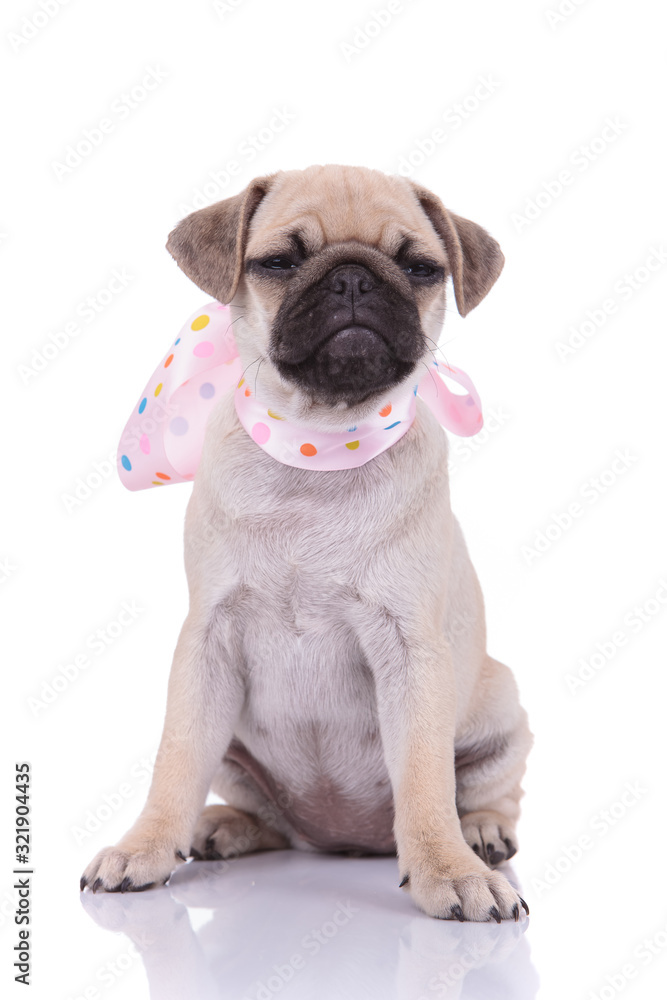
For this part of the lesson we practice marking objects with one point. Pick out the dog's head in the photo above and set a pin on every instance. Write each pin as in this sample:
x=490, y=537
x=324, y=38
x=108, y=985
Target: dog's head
x=336, y=276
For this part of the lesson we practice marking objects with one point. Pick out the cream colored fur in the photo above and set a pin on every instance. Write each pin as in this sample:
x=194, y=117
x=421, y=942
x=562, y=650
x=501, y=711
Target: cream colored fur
x=336, y=624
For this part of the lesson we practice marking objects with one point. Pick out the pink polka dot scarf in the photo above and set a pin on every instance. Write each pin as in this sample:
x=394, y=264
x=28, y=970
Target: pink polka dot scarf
x=162, y=441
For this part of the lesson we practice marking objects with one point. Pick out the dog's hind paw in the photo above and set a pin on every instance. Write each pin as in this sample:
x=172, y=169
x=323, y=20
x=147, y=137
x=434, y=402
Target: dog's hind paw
x=225, y=832
x=491, y=837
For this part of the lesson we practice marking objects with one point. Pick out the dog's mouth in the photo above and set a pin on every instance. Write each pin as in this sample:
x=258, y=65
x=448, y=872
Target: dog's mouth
x=352, y=346
x=352, y=364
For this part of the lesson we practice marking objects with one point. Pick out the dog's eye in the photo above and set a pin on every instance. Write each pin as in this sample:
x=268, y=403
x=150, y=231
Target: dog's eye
x=417, y=269
x=278, y=263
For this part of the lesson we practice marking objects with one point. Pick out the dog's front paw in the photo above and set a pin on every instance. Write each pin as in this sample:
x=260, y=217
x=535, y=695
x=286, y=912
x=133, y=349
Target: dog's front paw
x=463, y=889
x=490, y=836
x=131, y=867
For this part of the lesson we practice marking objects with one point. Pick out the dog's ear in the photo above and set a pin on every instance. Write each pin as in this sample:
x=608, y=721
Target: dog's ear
x=209, y=244
x=475, y=258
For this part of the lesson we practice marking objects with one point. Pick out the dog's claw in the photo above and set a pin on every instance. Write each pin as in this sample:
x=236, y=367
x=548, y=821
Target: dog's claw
x=83, y=883
x=495, y=913
x=404, y=881
x=525, y=906
x=515, y=911
x=96, y=884
x=457, y=912
x=511, y=849
x=210, y=852
x=127, y=885
x=494, y=856
x=179, y=854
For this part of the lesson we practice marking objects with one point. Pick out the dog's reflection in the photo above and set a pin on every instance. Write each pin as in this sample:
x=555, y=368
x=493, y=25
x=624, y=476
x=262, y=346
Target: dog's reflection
x=299, y=926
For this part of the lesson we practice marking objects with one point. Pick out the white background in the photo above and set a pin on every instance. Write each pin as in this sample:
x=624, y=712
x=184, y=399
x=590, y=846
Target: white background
x=67, y=572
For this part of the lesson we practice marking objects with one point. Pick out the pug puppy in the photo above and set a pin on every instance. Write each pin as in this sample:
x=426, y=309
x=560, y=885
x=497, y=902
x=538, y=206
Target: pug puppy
x=331, y=681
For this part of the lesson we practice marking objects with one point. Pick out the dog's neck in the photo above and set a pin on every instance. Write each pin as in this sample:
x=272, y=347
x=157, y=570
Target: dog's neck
x=308, y=447
x=163, y=439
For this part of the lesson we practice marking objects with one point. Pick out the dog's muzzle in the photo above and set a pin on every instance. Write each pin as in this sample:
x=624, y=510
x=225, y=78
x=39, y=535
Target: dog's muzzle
x=349, y=335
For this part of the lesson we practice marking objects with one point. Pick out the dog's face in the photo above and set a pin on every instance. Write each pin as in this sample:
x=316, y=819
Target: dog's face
x=336, y=276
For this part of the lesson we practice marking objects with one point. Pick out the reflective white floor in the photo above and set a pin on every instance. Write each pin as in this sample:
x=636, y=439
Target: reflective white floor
x=305, y=926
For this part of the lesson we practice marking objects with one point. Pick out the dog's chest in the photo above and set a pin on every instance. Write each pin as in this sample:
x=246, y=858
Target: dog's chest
x=298, y=542
x=294, y=541
x=299, y=529
x=295, y=544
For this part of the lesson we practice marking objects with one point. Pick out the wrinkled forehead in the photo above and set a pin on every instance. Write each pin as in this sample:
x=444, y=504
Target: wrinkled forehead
x=325, y=208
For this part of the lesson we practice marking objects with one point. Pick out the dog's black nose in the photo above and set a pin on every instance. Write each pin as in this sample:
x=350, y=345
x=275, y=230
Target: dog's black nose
x=351, y=281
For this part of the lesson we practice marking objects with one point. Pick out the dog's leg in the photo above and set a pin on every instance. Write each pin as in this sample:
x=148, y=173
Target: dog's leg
x=203, y=703
x=416, y=695
x=225, y=832
x=490, y=763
